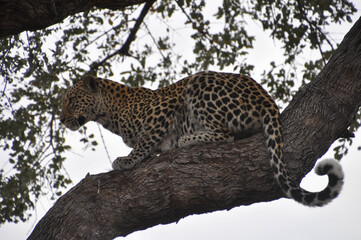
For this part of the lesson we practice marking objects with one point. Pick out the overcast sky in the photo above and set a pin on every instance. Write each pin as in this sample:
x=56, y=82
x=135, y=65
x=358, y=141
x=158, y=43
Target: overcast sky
x=281, y=219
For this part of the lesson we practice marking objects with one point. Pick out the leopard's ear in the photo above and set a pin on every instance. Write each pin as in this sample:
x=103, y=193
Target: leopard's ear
x=90, y=84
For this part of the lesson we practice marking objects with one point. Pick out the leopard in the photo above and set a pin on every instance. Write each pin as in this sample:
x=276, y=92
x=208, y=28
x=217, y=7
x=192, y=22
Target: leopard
x=203, y=108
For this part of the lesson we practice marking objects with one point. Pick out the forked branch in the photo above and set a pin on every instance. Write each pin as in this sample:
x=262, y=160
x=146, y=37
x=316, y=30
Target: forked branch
x=124, y=50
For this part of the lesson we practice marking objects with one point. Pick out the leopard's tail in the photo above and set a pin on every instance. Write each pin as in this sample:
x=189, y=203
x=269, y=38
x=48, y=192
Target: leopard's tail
x=329, y=167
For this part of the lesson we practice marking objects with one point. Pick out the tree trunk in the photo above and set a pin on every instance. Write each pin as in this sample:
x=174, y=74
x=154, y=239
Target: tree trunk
x=200, y=179
x=21, y=15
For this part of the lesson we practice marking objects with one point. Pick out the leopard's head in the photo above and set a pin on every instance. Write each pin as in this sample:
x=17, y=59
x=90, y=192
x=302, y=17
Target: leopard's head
x=79, y=103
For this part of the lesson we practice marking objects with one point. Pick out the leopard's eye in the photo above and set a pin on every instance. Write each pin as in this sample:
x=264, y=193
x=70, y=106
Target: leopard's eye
x=71, y=100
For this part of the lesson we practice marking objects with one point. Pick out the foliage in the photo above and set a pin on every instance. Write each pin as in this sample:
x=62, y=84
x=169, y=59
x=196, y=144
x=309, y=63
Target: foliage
x=37, y=67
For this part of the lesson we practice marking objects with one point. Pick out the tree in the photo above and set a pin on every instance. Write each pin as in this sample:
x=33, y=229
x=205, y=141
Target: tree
x=188, y=181
x=35, y=73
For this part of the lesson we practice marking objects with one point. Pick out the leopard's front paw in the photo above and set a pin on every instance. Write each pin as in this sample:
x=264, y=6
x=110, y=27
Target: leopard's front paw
x=123, y=163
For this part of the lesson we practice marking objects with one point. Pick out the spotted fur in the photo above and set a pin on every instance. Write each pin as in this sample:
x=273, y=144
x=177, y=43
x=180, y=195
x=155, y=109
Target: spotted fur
x=202, y=108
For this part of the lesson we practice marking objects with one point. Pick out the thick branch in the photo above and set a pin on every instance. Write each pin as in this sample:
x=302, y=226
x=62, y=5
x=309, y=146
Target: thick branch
x=21, y=15
x=217, y=176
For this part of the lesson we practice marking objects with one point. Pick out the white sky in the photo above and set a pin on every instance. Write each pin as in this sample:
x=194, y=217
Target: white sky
x=281, y=219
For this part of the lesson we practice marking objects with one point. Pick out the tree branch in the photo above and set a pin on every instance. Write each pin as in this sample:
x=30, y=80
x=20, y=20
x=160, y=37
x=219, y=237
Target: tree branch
x=216, y=176
x=316, y=29
x=124, y=50
x=22, y=15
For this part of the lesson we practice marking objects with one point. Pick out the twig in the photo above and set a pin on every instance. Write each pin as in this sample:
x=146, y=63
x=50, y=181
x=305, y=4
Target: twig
x=124, y=50
x=105, y=146
x=191, y=21
x=316, y=29
x=154, y=41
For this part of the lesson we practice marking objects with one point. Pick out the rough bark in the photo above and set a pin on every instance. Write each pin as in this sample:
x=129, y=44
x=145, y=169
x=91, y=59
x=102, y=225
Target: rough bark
x=20, y=15
x=202, y=179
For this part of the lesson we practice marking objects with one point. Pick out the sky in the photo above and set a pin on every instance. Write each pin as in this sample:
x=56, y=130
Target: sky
x=281, y=219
